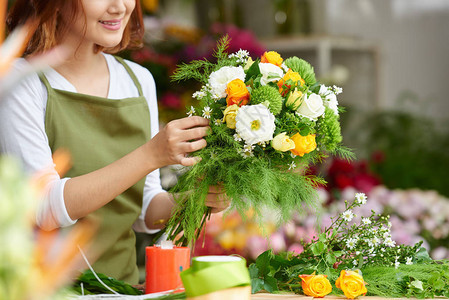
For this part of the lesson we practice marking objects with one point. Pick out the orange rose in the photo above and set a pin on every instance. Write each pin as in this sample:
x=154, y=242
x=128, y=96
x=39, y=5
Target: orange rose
x=272, y=57
x=351, y=283
x=290, y=75
x=316, y=286
x=303, y=144
x=237, y=93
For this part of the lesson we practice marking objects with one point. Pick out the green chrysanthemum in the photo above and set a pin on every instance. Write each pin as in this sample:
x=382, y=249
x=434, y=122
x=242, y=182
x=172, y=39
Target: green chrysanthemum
x=303, y=68
x=329, y=126
x=269, y=94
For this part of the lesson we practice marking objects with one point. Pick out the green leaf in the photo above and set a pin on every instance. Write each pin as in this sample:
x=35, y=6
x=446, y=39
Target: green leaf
x=438, y=284
x=422, y=255
x=330, y=258
x=256, y=285
x=263, y=262
x=318, y=248
x=417, y=284
x=253, y=71
x=338, y=253
x=322, y=237
x=270, y=284
x=253, y=271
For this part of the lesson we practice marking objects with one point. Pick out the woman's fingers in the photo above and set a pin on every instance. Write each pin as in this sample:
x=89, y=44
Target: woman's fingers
x=217, y=202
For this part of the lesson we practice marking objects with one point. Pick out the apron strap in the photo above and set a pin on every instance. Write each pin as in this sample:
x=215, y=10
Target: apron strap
x=131, y=73
x=45, y=82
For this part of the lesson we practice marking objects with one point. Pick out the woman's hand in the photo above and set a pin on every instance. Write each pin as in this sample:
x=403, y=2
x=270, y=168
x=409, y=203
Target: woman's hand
x=216, y=199
x=176, y=140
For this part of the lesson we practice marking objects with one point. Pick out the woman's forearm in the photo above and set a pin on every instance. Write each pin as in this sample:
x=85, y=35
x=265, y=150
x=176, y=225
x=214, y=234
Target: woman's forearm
x=87, y=193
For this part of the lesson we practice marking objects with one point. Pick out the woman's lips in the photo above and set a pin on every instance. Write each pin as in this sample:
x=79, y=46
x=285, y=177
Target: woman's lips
x=111, y=24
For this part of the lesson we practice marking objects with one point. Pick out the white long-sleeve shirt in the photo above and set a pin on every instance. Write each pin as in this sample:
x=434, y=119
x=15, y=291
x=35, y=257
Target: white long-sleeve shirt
x=22, y=133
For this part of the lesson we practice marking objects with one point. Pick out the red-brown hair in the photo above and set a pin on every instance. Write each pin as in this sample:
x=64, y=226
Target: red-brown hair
x=51, y=18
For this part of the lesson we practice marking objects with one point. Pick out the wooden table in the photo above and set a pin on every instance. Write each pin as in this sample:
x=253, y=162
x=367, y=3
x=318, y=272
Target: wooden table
x=265, y=296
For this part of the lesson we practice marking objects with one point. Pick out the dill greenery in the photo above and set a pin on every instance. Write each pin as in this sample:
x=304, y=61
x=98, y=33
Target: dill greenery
x=261, y=176
x=389, y=270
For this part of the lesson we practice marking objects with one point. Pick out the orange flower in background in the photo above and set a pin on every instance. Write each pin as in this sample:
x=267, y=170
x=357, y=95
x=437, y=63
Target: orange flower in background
x=303, y=144
x=272, y=57
x=316, y=286
x=290, y=75
x=237, y=93
x=351, y=283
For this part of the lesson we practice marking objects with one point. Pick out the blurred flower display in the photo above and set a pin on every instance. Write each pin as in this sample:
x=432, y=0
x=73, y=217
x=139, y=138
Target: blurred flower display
x=415, y=215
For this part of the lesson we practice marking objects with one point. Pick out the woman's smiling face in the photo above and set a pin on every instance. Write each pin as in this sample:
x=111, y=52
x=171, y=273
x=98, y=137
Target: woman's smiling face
x=101, y=22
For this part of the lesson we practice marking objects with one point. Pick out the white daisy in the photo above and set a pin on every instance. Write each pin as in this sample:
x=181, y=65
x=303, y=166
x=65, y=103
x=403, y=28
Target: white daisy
x=218, y=122
x=396, y=264
x=360, y=198
x=366, y=221
x=292, y=165
x=347, y=215
x=191, y=111
x=206, y=112
x=241, y=55
x=199, y=95
x=354, y=262
x=351, y=243
x=255, y=124
x=389, y=242
x=337, y=90
x=237, y=137
x=408, y=261
x=247, y=151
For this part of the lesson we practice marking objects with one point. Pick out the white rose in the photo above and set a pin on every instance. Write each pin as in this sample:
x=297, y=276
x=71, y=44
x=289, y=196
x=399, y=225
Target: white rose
x=270, y=73
x=219, y=79
x=311, y=107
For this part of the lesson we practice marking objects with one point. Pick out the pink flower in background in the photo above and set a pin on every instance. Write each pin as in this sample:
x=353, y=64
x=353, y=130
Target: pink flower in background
x=257, y=245
x=277, y=242
x=171, y=100
x=296, y=248
x=240, y=39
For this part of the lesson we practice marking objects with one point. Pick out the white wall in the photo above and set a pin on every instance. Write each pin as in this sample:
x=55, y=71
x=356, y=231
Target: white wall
x=413, y=36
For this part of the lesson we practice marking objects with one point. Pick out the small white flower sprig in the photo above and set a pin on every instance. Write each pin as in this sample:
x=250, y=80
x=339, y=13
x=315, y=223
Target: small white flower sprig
x=354, y=245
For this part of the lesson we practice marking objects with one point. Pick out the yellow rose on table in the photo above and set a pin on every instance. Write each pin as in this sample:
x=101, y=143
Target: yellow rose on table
x=303, y=144
x=351, y=283
x=237, y=93
x=272, y=57
x=282, y=142
x=290, y=75
x=229, y=115
x=316, y=286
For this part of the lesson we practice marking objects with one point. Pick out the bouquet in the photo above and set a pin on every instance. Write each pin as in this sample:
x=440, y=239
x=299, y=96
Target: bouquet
x=270, y=119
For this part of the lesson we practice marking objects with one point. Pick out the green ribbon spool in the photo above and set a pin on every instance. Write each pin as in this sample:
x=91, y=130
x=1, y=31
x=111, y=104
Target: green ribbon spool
x=209, y=274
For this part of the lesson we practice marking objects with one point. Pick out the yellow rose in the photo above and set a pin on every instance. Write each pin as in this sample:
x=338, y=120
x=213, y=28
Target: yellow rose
x=316, y=286
x=272, y=57
x=237, y=93
x=294, y=100
x=229, y=115
x=303, y=144
x=282, y=142
x=290, y=75
x=351, y=283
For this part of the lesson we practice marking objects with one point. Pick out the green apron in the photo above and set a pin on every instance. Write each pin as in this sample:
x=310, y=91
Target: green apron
x=98, y=131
